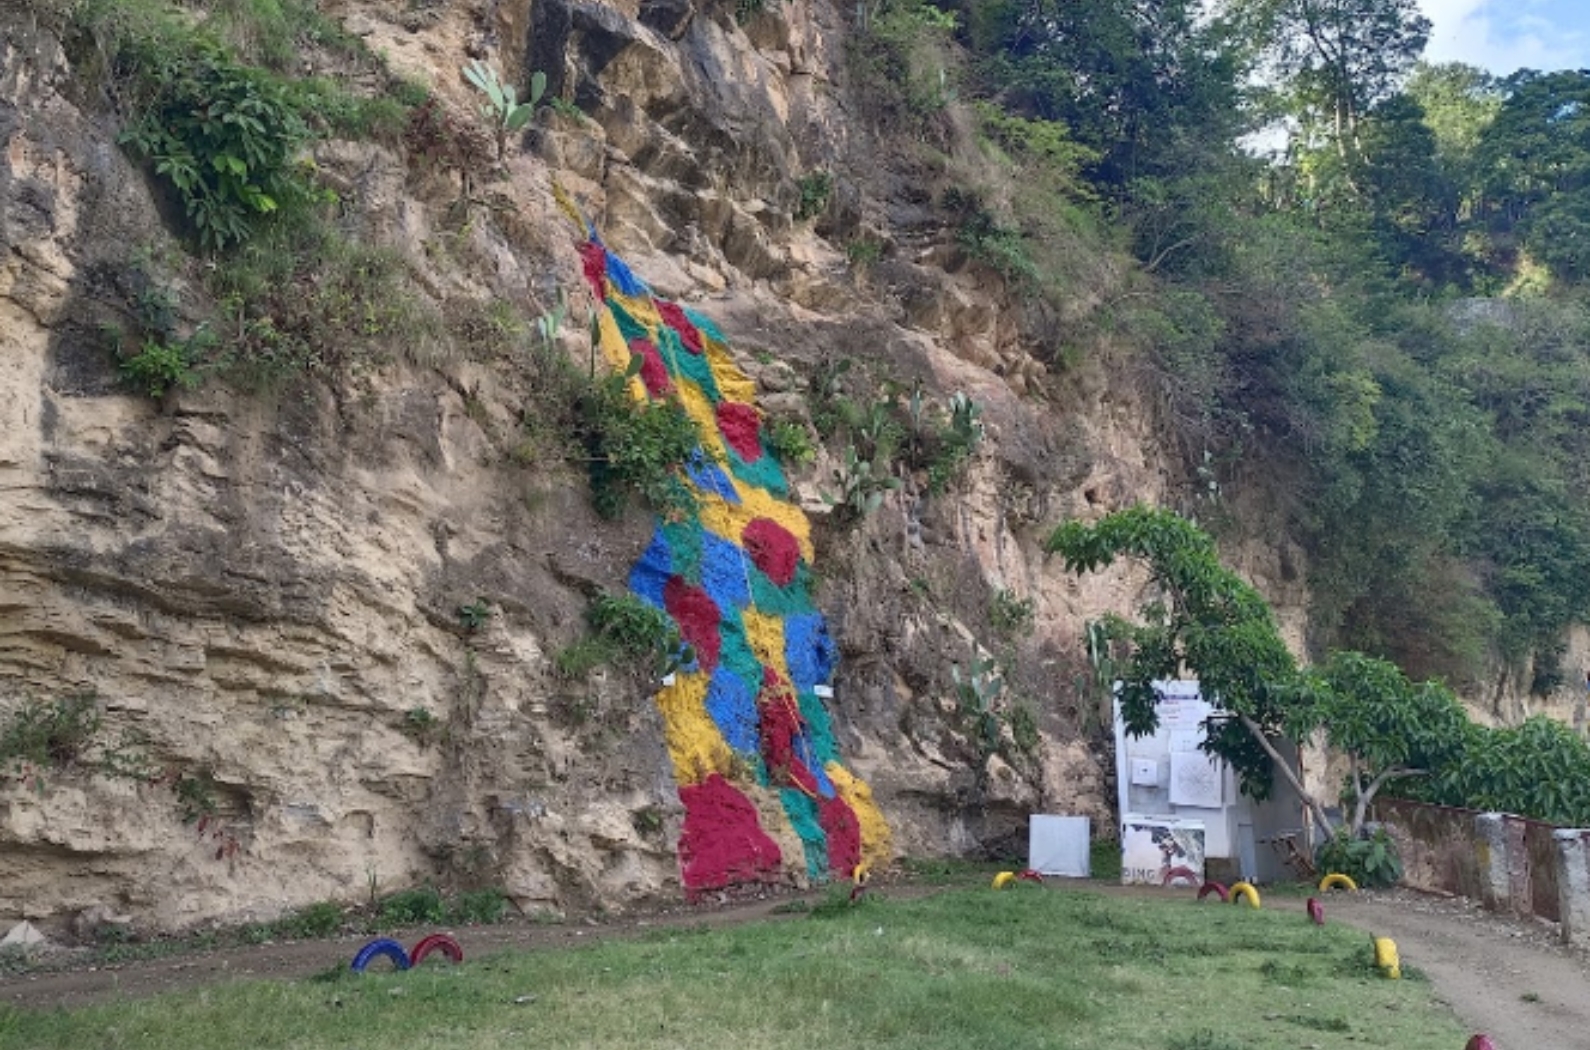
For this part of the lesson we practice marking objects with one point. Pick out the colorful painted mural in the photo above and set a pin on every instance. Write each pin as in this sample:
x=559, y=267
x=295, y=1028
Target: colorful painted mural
x=752, y=744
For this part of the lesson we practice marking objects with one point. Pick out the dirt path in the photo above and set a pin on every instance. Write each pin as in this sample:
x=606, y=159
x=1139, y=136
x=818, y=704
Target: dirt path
x=1508, y=978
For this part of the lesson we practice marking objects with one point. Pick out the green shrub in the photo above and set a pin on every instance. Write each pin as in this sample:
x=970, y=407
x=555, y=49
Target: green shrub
x=417, y=907
x=483, y=907
x=225, y=136
x=1369, y=861
x=635, y=448
x=321, y=919
x=161, y=366
x=50, y=734
x=791, y=443
x=1011, y=615
x=815, y=188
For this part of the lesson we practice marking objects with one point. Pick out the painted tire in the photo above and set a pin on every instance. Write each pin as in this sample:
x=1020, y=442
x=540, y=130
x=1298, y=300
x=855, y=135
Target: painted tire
x=1336, y=878
x=1480, y=1042
x=1386, y=957
x=1178, y=873
x=436, y=942
x=1030, y=875
x=1217, y=889
x=857, y=891
x=1003, y=879
x=860, y=874
x=381, y=946
x=1239, y=890
x=1316, y=912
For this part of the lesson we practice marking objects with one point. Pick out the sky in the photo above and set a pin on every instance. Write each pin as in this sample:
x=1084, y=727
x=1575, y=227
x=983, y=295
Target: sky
x=1503, y=36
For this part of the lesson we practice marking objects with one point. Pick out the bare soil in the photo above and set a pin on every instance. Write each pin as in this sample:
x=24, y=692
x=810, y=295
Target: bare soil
x=1509, y=978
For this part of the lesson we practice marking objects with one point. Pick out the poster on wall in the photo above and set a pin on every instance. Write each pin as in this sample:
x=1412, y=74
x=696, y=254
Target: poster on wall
x=1160, y=852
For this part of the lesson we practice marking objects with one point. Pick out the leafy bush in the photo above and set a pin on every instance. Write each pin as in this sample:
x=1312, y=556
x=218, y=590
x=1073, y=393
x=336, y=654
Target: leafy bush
x=1368, y=860
x=161, y=366
x=638, y=631
x=483, y=907
x=321, y=919
x=1011, y=615
x=50, y=734
x=814, y=188
x=791, y=443
x=635, y=448
x=224, y=135
x=417, y=907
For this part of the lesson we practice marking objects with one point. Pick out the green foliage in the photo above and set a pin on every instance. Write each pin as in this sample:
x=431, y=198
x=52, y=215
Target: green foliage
x=421, y=906
x=304, y=302
x=502, y=109
x=635, y=631
x=223, y=134
x=1368, y=860
x=195, y=798
x=1538, y=769
x=863, y=252
x=482, y=907
x=475, y=615
x=421, y=724
x=158, y=366
x=978, y=699
x=635, y=448
x=745, y=10
x=859, y=487
x=814, y=188
x=439, y=139
x=321, y=919
x=904, y=62
x=791, y=443
x=49, y=734
x=1011, y=615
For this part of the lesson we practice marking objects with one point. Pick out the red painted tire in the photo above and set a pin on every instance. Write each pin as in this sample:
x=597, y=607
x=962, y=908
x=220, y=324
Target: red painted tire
x=1031, y=875
x=1480, y=1042
x=1218, y=889
x=1316, y=912
x=436, y=942
x=1178, y=873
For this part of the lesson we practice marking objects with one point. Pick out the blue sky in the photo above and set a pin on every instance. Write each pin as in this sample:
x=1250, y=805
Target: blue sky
x=1506, y=35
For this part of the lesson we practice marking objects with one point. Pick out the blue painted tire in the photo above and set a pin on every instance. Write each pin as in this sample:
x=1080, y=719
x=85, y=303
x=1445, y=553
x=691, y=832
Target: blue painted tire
x=381, y=946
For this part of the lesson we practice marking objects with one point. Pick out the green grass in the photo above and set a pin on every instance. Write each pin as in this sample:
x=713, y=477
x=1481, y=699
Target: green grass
x=966, y=969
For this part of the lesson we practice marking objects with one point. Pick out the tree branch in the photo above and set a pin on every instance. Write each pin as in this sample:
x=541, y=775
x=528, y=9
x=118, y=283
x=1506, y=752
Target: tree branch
x=1286, y=770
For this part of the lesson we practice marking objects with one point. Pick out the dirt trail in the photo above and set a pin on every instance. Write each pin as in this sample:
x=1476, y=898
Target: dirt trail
x=1506, y=977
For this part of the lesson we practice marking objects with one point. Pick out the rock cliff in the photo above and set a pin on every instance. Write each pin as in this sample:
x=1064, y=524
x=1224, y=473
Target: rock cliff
x=261, y=588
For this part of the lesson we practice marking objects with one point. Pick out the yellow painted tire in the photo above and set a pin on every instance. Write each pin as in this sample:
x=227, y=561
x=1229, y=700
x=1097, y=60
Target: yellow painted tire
x=1003, y=879
x=859, y=874
x=1386, y=957
x=1335, y=879
x=1240, y=890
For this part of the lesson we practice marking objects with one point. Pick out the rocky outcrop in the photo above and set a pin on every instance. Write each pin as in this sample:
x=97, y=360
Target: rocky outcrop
x=262, y=590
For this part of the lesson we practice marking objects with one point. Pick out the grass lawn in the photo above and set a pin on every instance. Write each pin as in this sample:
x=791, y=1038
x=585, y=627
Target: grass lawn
x=966, y=969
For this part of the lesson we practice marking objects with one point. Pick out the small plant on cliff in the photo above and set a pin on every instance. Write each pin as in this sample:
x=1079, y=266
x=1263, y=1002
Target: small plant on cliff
x=815, y=189
x=48, y=735
x=977, y=696
x=1010, y=615
x=860, y=488
x=502, y=108
x=444, y=140
x=474, y=615
x=160, y=366
x=421, y=724
x=791, y=443
x=635, y=448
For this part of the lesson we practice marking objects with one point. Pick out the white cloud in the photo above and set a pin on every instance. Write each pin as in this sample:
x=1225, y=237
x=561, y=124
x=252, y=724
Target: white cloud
x=1506, y=35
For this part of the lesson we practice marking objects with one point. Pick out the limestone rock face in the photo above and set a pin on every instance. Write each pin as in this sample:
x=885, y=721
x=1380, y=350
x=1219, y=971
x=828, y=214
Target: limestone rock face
x=263, y=590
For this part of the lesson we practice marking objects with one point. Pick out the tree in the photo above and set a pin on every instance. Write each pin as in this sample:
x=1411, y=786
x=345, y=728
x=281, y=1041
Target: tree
x=1388, y=727
x=1143, y=82
x=1334, y=59
x=1208, y=622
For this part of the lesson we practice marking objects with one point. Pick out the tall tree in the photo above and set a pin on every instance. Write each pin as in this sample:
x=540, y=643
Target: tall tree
x=1141, y=81
x=1332, y=60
